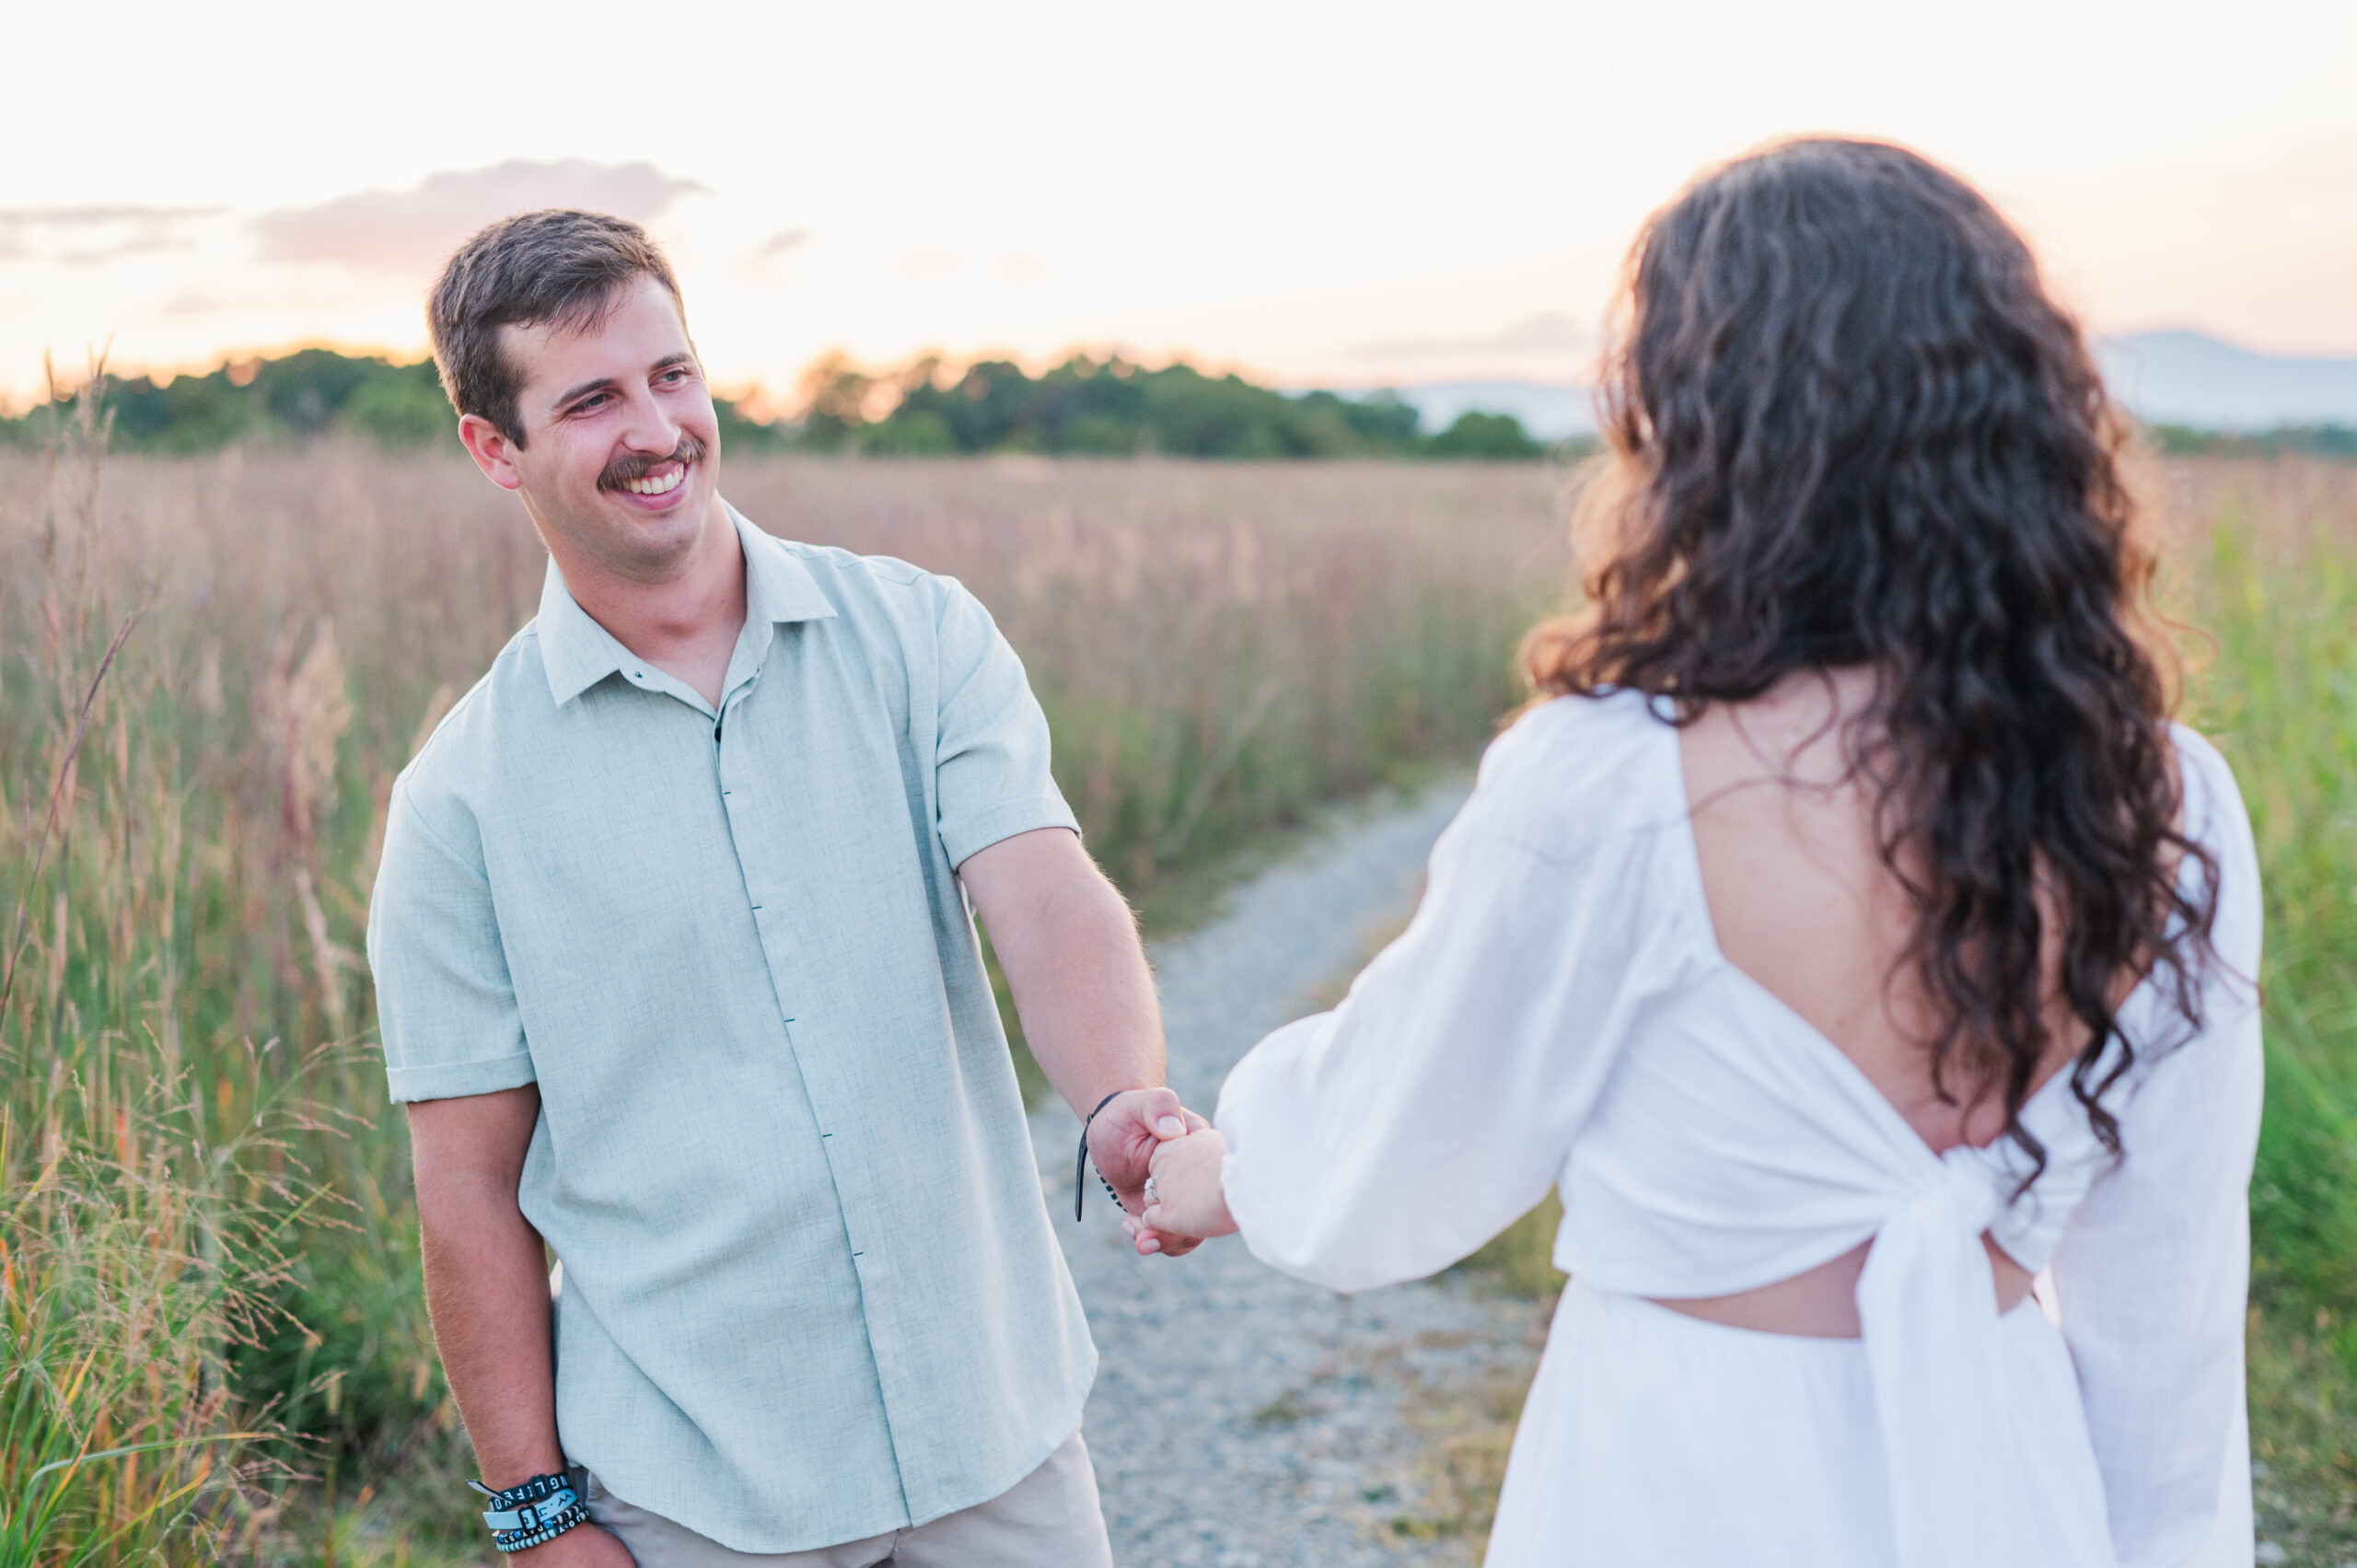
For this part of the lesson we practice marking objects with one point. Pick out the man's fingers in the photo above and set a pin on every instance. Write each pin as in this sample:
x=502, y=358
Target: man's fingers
x=1126, y=1140
x=1160, y=1109
x=1142, y=1116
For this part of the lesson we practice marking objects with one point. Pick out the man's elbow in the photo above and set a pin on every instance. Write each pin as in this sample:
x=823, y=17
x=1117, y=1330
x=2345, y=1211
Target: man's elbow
x=467, y=1155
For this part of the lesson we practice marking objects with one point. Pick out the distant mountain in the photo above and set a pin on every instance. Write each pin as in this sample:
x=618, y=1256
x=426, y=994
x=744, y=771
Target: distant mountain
x=2189, y=378
x=2174, y=378
x=1549, y=411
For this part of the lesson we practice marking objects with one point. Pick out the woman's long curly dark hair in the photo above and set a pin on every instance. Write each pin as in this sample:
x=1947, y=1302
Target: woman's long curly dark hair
x=1848, y=427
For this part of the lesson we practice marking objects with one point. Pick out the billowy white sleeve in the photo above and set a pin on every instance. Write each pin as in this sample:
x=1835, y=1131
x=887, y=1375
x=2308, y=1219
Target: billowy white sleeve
x=2153, y=1276
x=1394, y=1135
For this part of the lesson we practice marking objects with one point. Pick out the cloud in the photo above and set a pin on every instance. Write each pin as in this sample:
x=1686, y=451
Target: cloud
x=1551, y=332
x=784, y=241
x=409, y=232
x=92, y=234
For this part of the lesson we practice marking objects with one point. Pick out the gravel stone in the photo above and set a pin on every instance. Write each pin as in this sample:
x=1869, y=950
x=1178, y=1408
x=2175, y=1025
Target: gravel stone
x=1242, y=1419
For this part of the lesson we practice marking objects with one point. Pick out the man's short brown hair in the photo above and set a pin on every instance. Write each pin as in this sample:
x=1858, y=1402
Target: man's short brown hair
x=535, y=268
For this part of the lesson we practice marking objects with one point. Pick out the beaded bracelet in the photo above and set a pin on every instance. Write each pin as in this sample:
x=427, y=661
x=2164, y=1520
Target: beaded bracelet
x=1080, y=1166
x=532, y=1512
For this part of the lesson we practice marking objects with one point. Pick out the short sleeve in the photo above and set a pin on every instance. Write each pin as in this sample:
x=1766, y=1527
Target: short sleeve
x=446, y=1008
x=991, y=762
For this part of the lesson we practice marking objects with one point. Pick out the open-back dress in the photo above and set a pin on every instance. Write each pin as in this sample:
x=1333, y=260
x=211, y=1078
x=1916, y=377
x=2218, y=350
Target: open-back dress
x=1558, y=1013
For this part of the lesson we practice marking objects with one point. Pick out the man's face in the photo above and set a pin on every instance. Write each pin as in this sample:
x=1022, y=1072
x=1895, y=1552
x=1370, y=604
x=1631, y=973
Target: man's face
x=621, y=443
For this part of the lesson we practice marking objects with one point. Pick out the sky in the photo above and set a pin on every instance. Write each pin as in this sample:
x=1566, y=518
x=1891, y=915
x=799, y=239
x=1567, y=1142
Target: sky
x=1340, y=195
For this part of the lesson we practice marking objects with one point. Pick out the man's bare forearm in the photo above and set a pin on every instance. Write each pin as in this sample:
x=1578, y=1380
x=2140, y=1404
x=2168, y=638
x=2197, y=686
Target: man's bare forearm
x=1069, y=946
x=486, y=1278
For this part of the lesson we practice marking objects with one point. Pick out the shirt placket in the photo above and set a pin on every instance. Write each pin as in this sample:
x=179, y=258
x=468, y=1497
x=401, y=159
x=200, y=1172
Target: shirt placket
x=764, y=889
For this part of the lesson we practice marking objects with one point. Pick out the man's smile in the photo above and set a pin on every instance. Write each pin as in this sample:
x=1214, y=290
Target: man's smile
x=666, y=478
x=655, y=484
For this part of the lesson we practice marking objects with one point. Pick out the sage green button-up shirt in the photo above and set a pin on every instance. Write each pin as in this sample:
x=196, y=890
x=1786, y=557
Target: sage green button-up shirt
x=810, y=1293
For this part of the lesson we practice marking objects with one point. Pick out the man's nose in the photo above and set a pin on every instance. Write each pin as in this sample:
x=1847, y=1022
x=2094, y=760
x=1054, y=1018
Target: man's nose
x=650, y=429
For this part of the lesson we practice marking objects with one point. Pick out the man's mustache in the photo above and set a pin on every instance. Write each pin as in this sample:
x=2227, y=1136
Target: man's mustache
x=622, y=471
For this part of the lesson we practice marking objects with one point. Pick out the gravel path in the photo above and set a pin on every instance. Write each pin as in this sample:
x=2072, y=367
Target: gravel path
x=1242, y=1419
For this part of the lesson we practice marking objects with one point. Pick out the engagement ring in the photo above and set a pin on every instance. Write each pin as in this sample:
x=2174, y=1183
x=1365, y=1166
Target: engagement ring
x=1150, y=1199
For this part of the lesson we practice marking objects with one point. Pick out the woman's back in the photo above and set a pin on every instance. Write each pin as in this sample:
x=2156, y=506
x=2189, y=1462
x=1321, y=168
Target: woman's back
x=1803, y=902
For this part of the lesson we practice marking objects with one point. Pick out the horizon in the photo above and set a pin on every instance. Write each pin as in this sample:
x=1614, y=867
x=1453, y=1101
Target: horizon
x=1366, y=197
x=1533, y=402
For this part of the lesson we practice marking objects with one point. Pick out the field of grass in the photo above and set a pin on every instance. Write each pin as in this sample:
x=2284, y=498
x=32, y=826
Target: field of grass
x=211, y=1335
x=2273, y=552
x=210, y=671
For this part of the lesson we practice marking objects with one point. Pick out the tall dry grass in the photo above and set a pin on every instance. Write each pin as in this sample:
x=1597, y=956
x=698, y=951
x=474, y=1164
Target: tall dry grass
x=144, y=1197
x=1218, y=648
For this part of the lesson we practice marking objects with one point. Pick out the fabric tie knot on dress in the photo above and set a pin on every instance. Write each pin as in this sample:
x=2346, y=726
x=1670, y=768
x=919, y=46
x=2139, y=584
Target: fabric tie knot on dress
x=1973, y=1188
x=1927, y=1301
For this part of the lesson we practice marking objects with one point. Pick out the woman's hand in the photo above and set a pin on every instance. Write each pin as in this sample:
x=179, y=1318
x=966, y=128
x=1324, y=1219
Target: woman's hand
x=1188, y=1201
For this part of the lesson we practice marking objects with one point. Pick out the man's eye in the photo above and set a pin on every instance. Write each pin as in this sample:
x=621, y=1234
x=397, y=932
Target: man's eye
x=585, y=404
x=675, y=376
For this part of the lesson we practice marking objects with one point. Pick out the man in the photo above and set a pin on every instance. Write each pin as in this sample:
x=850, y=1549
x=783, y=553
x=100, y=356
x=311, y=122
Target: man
x=677, y=979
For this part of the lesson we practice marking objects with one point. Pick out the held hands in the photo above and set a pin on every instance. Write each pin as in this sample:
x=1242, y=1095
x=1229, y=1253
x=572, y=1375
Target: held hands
x=1122, y=1142
x=1189, y=1204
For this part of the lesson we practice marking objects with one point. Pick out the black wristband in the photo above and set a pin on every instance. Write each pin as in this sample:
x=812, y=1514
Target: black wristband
x=1080, y=1166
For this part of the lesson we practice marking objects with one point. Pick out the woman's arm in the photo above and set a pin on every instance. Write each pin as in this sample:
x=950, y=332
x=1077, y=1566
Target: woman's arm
x=2153, y=1276
x=1394, y=1135
x=2153, y=1281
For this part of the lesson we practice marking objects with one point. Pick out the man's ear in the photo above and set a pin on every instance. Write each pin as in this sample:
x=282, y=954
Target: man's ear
x=491, y=450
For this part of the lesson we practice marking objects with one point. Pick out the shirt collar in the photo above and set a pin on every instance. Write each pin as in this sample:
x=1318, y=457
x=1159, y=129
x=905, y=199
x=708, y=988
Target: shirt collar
x=577, y=652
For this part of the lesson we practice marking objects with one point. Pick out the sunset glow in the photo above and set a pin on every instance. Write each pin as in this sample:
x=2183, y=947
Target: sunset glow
x=1345, y=195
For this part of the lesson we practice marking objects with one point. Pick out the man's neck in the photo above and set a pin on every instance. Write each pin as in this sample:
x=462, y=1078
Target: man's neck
x=686, y=625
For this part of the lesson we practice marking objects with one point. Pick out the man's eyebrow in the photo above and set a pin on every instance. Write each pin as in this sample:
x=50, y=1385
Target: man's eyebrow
x=606, y=383
x=603, y=383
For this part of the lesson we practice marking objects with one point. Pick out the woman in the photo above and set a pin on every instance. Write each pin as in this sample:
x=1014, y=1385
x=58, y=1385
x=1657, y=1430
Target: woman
x=1850, y=939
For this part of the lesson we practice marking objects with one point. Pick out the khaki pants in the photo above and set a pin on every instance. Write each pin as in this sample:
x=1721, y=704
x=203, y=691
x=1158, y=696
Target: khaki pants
x=1049, y=1519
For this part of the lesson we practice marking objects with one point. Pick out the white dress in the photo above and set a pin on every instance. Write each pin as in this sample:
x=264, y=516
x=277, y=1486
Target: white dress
x=1558, y=1013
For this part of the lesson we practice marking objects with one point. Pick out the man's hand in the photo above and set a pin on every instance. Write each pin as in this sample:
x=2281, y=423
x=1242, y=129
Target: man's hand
x=583, y=1546
x=1122, y=1141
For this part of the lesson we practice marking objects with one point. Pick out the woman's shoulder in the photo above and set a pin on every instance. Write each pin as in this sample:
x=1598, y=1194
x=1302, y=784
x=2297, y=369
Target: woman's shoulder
x=2211, y=795
x=1573, y=772
x=2216, y=819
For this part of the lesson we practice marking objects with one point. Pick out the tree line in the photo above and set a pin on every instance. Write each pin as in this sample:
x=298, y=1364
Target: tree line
x=1110, y=406
x=2282, y=441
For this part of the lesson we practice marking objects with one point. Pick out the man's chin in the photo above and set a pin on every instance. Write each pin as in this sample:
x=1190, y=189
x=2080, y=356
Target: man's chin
x=640, y=542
